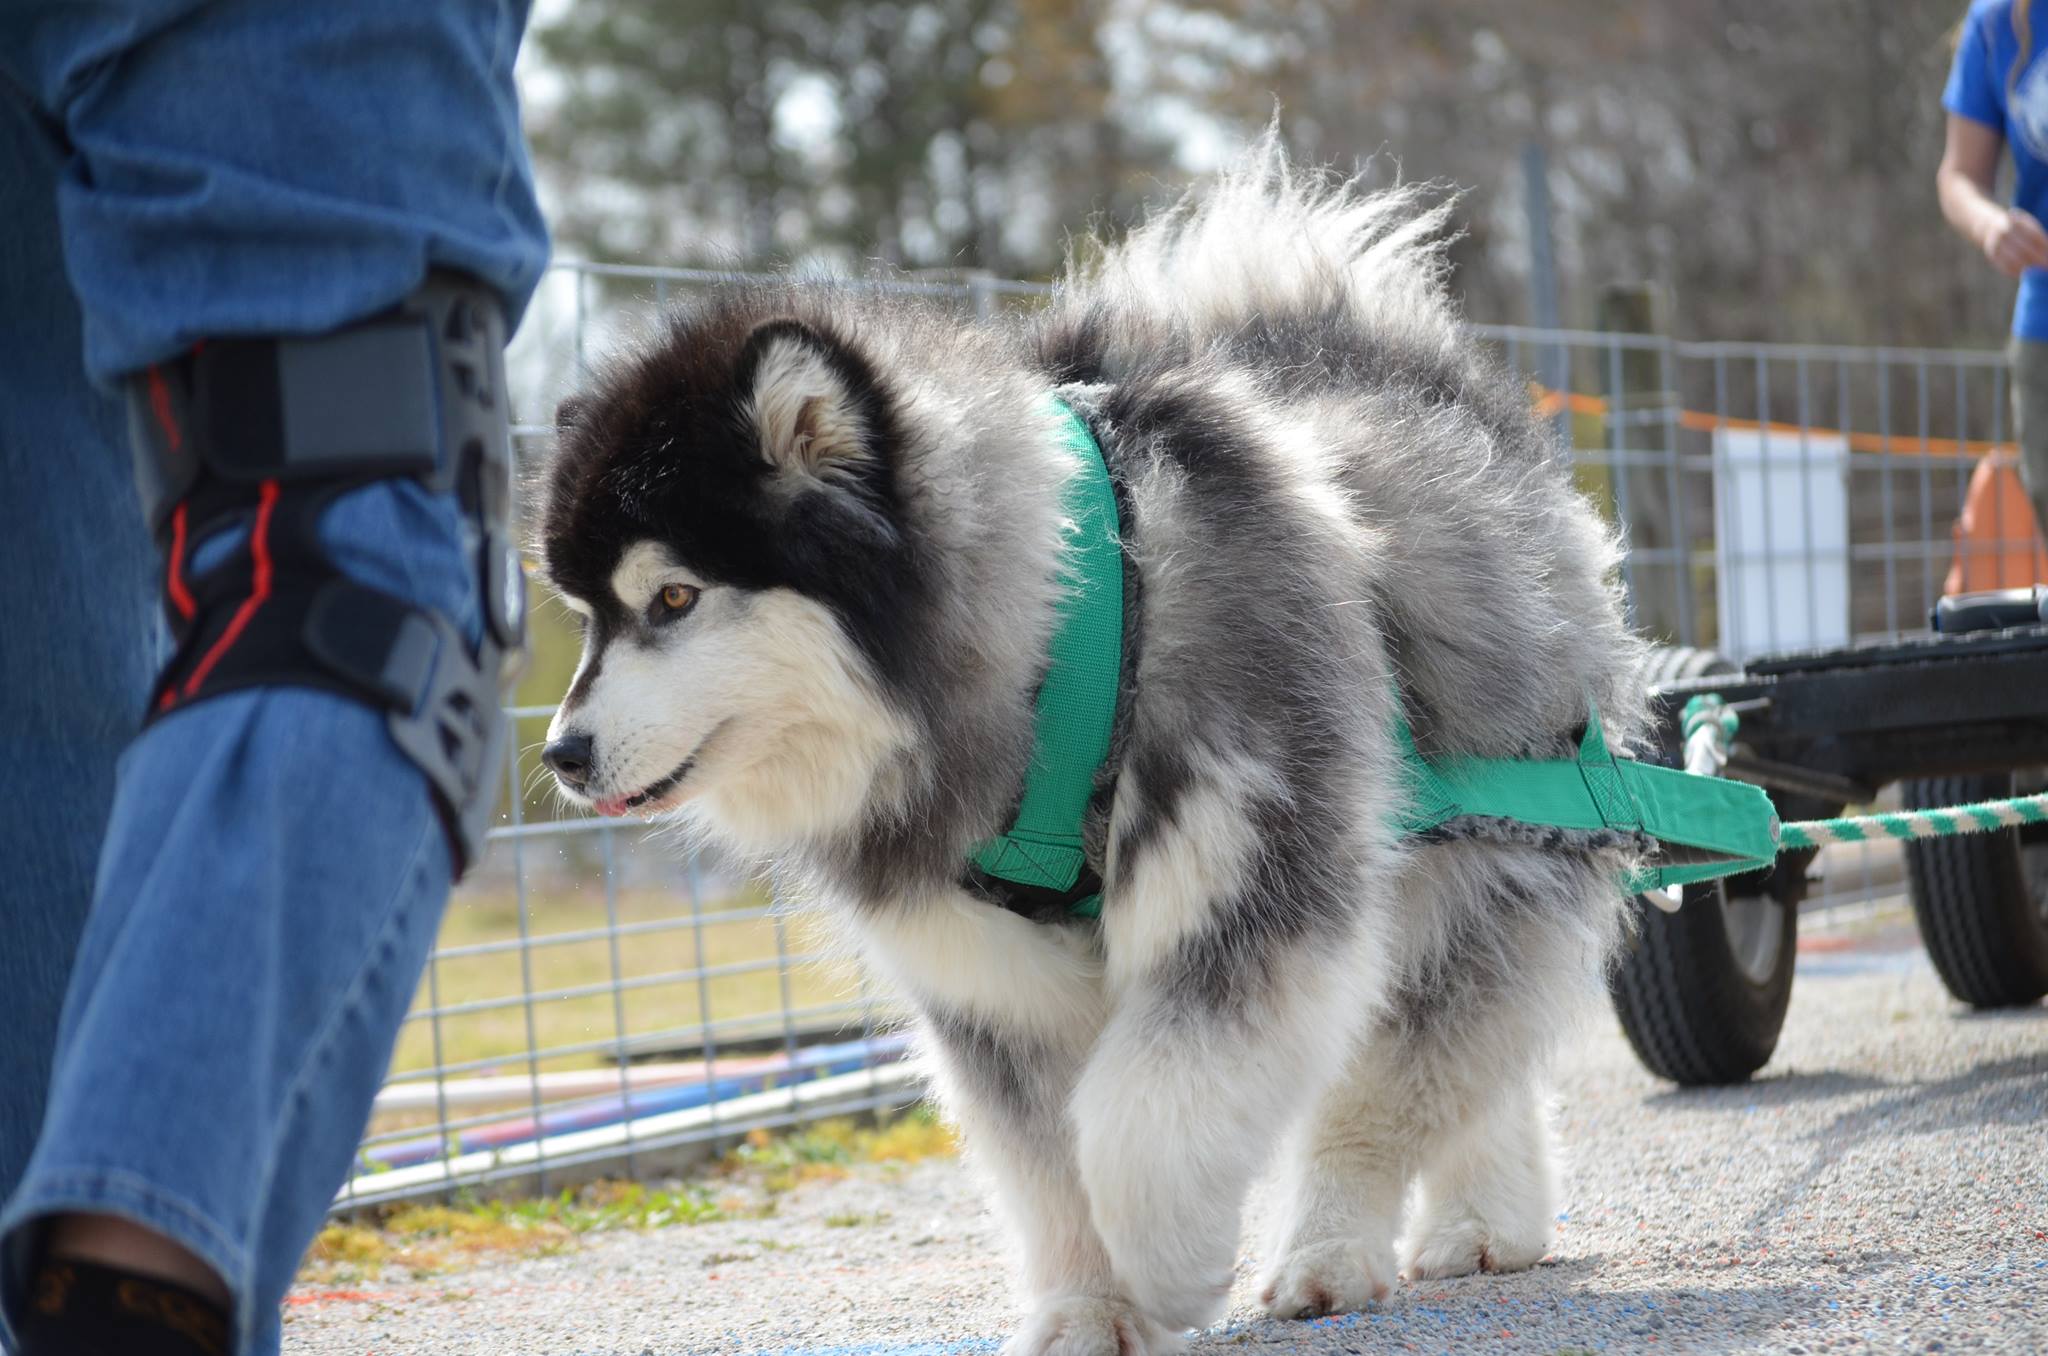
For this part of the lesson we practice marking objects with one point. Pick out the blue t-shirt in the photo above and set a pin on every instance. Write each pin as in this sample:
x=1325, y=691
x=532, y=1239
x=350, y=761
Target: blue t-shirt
x=1982, y=88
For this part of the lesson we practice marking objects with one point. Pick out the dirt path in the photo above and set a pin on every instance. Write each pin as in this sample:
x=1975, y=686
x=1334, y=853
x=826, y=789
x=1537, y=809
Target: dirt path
x=1883, y=1186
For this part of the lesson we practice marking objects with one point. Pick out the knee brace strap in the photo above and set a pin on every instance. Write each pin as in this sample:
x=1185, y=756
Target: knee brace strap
x=258, y=437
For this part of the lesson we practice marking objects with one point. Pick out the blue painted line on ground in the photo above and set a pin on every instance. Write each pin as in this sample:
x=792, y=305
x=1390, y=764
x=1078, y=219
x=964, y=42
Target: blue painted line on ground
x=1841, y=964
x=971, y=1344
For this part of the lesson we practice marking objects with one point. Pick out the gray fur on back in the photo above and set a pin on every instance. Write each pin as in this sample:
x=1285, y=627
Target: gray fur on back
x=1335, y=488
x=1492, y=578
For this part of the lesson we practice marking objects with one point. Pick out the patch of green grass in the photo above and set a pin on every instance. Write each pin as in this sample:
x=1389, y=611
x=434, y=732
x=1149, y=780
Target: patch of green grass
x=854, y=1220
x=349, y=1246
x=772, y=1245
x=429, y=1240
x=912, y=1137
x=619, y=1205
x=825, y=1150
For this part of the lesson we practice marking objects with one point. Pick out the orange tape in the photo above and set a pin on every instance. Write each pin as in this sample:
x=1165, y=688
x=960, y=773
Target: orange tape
x=1549, y=403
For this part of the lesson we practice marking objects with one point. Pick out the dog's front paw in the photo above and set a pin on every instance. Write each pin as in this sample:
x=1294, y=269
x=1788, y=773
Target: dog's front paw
x=1334, y=1276
x=1085, y=1325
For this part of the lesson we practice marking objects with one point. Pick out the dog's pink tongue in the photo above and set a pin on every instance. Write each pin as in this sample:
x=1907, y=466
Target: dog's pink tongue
x=612, y=806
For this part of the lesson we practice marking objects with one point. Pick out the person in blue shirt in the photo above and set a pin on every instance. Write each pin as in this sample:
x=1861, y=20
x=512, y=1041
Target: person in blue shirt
x=1997, y=98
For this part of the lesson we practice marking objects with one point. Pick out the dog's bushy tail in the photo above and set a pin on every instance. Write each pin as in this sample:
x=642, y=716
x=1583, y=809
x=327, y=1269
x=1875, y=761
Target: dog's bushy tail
x=1266, y=242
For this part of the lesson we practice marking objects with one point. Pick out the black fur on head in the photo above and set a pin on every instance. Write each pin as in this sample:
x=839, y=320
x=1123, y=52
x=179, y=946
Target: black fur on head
x=685, y=443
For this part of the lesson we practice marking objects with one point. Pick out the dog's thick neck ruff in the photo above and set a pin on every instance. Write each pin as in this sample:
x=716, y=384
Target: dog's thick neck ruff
x=1038, y=864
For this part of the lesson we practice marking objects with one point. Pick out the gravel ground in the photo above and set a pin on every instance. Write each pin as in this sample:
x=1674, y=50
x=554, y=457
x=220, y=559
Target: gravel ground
x=1883, y=1185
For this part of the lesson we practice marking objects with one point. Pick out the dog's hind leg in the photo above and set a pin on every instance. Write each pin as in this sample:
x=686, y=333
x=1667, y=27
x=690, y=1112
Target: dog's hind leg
x=1489, y=1192
x=1410, y=1104
x=1008, y=1011
x=1489, y=1188
x=1349, y=1174
x=1520, y=969
x=1448, y=1087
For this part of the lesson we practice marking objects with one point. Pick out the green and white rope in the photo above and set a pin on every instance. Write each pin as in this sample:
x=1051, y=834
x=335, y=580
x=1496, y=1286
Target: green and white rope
x=1982, y=817
x=1710, y=725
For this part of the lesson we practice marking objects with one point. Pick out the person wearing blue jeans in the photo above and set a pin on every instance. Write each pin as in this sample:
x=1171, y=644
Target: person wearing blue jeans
x=275, y=248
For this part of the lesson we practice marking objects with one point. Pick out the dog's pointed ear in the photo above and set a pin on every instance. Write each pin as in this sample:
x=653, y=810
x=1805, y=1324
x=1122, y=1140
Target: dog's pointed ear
x=806, y=400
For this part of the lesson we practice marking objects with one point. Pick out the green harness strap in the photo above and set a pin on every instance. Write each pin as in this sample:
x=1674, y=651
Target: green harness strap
x=1077, y=702
x=1705, y=827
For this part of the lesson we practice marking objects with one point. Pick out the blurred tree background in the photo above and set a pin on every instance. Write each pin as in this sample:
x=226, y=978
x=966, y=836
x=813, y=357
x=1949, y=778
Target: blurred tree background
x=960, y=133
x=1767, y=166
x=1708, y=169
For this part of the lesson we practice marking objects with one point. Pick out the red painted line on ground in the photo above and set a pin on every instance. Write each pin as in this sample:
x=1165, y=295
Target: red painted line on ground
x=340, y=1296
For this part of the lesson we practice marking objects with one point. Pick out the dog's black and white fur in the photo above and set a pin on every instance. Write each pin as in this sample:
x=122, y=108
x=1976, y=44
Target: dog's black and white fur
x=816, y=535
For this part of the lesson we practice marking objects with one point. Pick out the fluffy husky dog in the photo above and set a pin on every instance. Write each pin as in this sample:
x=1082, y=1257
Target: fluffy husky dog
x=816, y=540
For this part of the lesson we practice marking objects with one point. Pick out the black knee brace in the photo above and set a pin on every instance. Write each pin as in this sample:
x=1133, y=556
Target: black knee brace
x=258, y=437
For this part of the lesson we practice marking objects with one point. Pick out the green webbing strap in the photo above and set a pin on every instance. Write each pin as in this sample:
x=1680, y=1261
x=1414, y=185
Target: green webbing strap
x=1705, y=827
x=1077, y=702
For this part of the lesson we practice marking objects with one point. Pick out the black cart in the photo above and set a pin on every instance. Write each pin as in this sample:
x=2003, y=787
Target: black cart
x=1957, y=716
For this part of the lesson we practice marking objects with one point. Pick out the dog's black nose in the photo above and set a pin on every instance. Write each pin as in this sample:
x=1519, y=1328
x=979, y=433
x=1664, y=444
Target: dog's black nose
x=570, y=758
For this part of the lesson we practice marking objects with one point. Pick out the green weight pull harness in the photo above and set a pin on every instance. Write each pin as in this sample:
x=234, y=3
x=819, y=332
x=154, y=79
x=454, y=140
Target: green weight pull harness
x=1704, y=827
x=1039, y=858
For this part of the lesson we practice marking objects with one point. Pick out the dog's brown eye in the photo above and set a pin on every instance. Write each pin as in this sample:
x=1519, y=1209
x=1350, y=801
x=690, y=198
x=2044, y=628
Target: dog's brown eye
x=677, y=599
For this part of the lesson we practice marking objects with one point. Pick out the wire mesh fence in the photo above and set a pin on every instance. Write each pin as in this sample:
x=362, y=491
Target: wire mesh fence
x=603, y=997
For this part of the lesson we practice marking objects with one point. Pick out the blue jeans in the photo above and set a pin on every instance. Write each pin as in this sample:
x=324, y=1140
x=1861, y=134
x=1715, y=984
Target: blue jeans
x=212, y=931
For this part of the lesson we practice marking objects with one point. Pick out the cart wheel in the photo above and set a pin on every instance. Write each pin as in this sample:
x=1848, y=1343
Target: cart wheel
x=1982, y=899
x=1701, y=993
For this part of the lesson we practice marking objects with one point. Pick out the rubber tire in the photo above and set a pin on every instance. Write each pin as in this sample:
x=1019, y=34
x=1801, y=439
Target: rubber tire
x=1687, y=1008
x=1980, y=916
